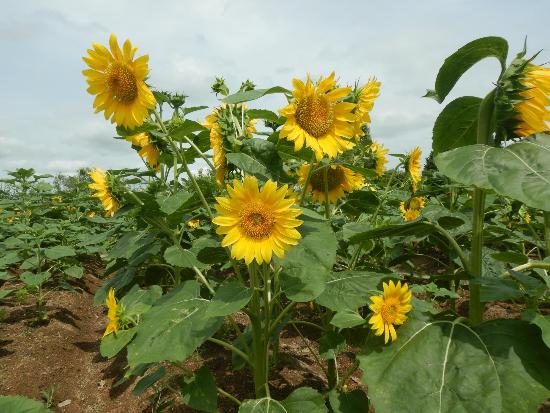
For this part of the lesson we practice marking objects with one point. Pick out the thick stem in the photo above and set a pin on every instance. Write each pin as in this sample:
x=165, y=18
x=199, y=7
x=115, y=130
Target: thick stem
x=484, y=137
x=259, y=346
x=547, y=232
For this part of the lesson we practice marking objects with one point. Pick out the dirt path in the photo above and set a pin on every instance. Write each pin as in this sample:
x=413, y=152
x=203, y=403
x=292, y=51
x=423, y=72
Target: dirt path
x=63, y=355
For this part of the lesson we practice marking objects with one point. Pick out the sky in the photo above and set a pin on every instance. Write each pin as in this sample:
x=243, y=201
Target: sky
x=46, y=117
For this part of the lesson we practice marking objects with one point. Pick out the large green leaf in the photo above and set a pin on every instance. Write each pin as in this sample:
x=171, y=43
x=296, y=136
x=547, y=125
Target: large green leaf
x=111, y=344
x=200, y=392
x=265, y=405
x=247, y=164
x=20, y=404
x=172, y=203
x=464, y=58
x=59, y=251
x=349, y=290
x=240, y=97
x=177, y=256
x=355, y=401
x=307, y=266
x=230, y=297
x=456, y=125
x=302, y=400
x=520, y=171
x=445, y=366
x=173, y=328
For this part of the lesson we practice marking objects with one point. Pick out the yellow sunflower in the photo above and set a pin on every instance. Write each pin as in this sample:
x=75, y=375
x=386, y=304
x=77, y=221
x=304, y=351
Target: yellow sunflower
x=112, y=313
x=101, y=185
x=118, y=81
x=365, y=103
x=193, y=223
x=340, y=180
x=257, y=223
x=147, y=150
x=90, y=214
x=532, y=111
x=380, y=155
x=411, y=209
x=390, y=309
x=213, y=122
x=414, y=167
x=318, y=119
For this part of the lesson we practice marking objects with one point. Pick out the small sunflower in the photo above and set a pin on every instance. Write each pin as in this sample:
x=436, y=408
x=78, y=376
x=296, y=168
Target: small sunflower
x=365, y=102
x=100, y=184
x=147, y=150
x=193, y=223
x=380, y=156
x=411, y=209
x=118, y=81
x=318, y=119
x=112, y=313
x=390, y=309
x=221, y=123
x=414, y=167
x=340, y=180
x=257, y=223
x=90, y=214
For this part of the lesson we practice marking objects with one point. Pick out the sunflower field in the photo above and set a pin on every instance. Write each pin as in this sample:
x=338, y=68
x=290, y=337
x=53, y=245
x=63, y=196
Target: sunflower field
x=298, y=245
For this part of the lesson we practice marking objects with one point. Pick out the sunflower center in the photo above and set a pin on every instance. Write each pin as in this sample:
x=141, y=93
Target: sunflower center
x=315, y=114
x=256, y=221
x=335, y=177
x=389, y=311
x=121, y=82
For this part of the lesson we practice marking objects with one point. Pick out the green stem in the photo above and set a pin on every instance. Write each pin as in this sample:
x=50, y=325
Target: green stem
x=484, y=137
x=259, y=347
x=453, y=244
x=527, y=266
x=547, y=231
x=327, y=204
x=304, y=191
x=232, y=348
x=281, y=315
x=229, y=396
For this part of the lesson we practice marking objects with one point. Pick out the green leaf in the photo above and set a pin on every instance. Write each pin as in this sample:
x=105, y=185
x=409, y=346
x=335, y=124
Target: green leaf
x=35, y=279
x=177, y=256
x=111, y=344
x=174, y=202
x=452, y=371
x=355, y=401
x=5, y=292
x=304, y=399
x=138, y=301
x=200, y=392
x=208, y=250
x=347, y=319
x=5, y=276
x=262, y=114
x=249, y=95
x=307, y=266
x=20, y=404
x=330, y=344
x=519, y=171
x=59, y=251
x=247, y=164
x=265, y=405
x=510, y=257
x=9, y=259
x=230, y=297
x=148, y=381
x=456, y=125
x=186, y=129
x=496, y=289
x=75, y=271
x=349, y=290
x=29, y=263
x=464, y=58
x=265, y=152
x=173, y=328
x=417, y=228
x=541, y=321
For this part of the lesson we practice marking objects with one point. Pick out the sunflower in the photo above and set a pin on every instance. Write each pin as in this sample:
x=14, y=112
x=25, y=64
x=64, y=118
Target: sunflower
x=365, y=102
x=101, y=185
x=118, y=81
x=221, y=123
x=112, y=313
x=532, y=111
x=340, y=180
x=147, y=150
x=414, y=167
x=193, y=223
x=390, y=309
x=411, y=209
x=318, y=119
x=90, y=214
x=380, y=156
x=257, y=223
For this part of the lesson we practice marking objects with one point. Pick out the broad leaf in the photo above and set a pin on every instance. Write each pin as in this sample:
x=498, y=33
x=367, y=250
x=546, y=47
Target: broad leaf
x=355, y=401
x=304, y=399
x=148, y=381
x=111, y=344
x=247, y=164
x=230, y=297
x=59, y=251
x=200, y=392
x=20, y=404
x=177, y=256
x=541, y=321
x=347, y=319
x=240, y=97
x=75, y=271
x=265, y=405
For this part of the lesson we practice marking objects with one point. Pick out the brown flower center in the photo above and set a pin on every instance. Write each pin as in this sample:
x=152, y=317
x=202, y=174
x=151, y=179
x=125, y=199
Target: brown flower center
x=335, y=177
x=256, y=221
x=315, y=115
x=121, y=82
x=389, y=310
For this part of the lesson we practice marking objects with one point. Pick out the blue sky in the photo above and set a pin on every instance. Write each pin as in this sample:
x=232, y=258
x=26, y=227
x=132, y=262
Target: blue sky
x=46, y=116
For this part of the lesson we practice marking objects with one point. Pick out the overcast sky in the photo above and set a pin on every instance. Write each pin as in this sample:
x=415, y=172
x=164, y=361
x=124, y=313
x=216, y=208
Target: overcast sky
x=46, y=116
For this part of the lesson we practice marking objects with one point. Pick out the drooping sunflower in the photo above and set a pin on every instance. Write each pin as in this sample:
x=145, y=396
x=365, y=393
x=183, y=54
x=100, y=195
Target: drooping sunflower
x=257, y=223
x=414, y=167
x=411, y=209
x=318, y=119
x=147, y=150
x=390, y=309
x=112, y=313
x=221, y=123
x=118, y=81
x=103, y=191
x=340, y=180
x=380, y=155
x=365, y=102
